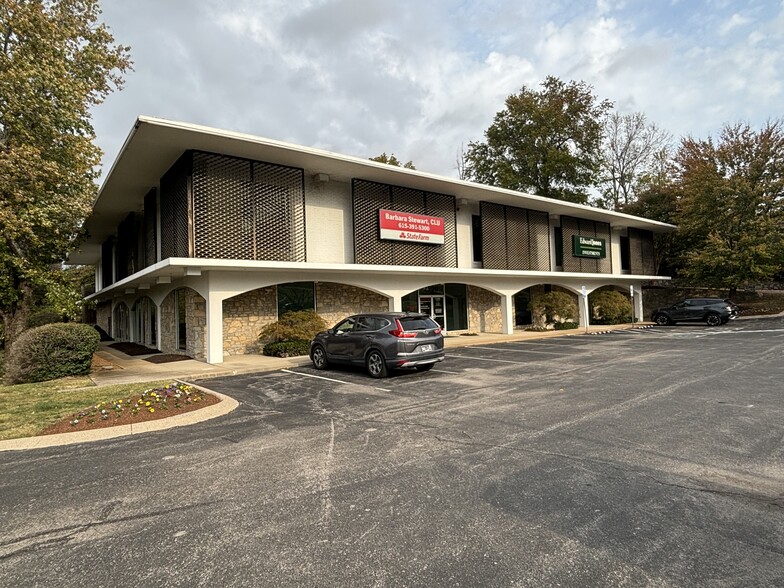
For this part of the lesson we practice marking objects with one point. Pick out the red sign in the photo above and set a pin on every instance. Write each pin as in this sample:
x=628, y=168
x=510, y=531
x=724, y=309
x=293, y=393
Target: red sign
x=407, y=226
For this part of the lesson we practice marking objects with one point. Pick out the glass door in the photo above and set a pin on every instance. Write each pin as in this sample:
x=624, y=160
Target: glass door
x=434, y=307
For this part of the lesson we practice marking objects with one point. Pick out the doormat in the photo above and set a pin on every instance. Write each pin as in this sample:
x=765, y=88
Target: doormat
x=167, y=358
x=129, y=348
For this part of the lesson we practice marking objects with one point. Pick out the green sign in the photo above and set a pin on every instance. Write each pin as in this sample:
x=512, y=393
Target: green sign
x=588, y=247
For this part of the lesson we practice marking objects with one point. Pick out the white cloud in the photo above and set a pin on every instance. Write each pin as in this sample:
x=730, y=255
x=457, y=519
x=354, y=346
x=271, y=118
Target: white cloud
x=418, y=79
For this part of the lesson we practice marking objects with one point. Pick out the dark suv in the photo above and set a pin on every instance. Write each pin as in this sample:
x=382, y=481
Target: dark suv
x=380, y=342
x=713, y=311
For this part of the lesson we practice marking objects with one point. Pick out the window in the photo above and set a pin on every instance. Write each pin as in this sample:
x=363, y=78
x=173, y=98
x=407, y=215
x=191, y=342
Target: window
x=626, y=254
x=182, y=330
x=296, y=296
x=476, y=237
x=456, y=307
x=558, y=235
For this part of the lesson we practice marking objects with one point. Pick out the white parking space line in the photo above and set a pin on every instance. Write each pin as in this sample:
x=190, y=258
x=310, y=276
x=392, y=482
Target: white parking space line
x=445, y=372
x=488, y=359
x=331, y=380
x=518, y=350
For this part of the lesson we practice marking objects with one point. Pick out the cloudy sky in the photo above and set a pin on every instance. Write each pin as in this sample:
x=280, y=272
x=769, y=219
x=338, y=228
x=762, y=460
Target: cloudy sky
x=419, y=78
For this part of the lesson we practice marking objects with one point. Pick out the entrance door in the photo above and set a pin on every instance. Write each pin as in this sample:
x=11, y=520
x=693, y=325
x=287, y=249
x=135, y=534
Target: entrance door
x=433, y=306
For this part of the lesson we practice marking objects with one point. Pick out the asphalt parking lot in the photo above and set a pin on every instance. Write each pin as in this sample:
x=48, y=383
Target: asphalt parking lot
x=634, y=458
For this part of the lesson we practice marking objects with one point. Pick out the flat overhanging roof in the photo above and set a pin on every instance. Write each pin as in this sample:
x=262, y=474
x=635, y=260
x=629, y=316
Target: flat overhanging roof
x=154, y=144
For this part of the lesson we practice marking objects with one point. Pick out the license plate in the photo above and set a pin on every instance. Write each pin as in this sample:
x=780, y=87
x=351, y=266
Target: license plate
x=426, y=348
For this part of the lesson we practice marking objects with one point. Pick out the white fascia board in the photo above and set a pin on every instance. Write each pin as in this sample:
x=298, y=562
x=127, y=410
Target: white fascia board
x=177, y=267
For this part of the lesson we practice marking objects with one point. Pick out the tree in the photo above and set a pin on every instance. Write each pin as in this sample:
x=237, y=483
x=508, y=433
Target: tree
x=392, y=160
x=631, y=150
x=547, y=142
x=731, y=208
x=656, y=198
x=56, y=62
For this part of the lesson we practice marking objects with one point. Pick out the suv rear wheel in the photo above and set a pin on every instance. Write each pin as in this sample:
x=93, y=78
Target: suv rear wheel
x=662, y=319
x=375, y=364
x=713, y=320
x=319, y=358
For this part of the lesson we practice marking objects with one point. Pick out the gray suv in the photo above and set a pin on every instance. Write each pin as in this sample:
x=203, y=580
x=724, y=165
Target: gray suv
x=713, y=311
x=380, y=342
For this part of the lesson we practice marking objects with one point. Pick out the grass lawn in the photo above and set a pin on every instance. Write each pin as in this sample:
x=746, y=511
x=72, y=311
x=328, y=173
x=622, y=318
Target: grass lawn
x=27, y=409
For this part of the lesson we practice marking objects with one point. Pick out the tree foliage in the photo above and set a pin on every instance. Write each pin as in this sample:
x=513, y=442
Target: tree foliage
x=546, y=142
x=57, y=61
x=632, y=151
x=392, y=160
x=731, y=205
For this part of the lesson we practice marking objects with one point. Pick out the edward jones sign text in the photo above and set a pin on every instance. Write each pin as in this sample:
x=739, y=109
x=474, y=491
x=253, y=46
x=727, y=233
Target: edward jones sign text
x=407, y=226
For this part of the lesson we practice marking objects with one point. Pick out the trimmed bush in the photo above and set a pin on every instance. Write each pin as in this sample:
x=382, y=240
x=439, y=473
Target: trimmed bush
x=43, y=317
x=51, y=351
x=610, y=307
x=287, y=348
x=300, y=325
x=565, y=325
x=558, y=307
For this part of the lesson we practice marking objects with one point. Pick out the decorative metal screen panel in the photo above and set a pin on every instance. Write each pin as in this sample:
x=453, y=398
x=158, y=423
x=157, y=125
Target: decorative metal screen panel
x=279, y=206
x=150, y=228
x=176, y=209
x=570, y=227
x=514, y=238
x=642, y=257
x=443, y=205
x=370, y=197
x=247, y=210
x=539, y=240
x=107, y=262
x=493, y=216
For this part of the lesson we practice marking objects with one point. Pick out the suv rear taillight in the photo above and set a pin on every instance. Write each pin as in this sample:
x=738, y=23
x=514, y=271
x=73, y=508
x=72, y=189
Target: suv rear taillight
x=400, y=332
x=437, y=331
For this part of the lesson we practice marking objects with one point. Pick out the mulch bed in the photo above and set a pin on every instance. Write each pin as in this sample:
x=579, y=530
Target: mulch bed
x=129, y=348
x=126, y=418
x=167, y=358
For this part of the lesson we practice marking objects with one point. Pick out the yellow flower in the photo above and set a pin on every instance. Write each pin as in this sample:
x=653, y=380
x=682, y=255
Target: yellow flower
x=151, y=409
x=147, y=403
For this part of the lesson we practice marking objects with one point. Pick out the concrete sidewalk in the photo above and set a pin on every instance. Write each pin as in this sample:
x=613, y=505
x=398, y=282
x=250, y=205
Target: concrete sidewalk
x=119, y=368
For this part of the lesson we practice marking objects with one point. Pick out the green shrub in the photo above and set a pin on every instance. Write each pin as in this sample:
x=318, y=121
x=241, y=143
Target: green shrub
x=610, y=307
x=558, y=307
x=51, y=351
x=565, y=325
x=287, y=348
x=43, y=317
x=300, y=325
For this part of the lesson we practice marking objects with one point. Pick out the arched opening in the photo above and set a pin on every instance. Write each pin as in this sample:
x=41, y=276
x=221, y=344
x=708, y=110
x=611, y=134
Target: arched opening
x=610, y=305
x=145, y=322
x=447, y=304
x=553, y=307
x=244, y=315
x=184, y=323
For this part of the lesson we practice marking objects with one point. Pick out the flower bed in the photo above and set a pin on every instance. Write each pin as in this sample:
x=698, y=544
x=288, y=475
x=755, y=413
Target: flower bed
x=152, y=404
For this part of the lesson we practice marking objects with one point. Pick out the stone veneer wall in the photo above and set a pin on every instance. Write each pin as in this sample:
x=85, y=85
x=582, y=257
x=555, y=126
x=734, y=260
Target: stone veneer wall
x=484, y=311
x=244, y=316
x=337, y=301
x=103, y=315
x=195, y=325
x=169, y=324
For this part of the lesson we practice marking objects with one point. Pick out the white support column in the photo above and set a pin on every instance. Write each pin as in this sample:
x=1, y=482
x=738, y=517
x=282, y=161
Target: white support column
x=507, y=314
x=582, y=303
x=395, y=304
x=637, y=306
x=214, y=332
